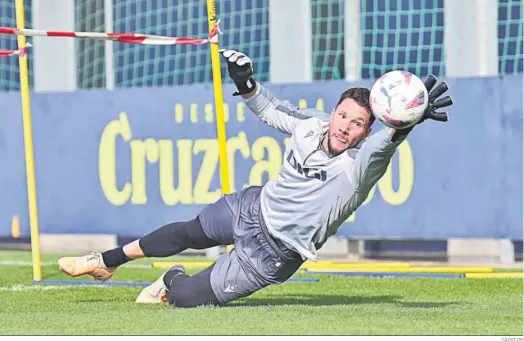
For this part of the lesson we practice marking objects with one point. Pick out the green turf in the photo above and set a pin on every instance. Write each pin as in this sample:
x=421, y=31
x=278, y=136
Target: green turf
x=335, y=305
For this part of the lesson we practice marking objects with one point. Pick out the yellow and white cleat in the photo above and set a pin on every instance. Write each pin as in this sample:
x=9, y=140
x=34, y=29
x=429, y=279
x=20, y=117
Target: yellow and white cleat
x=157, y=292
x=92, y=264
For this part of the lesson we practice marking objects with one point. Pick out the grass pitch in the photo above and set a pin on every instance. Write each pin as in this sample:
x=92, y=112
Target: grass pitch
x=335, y=305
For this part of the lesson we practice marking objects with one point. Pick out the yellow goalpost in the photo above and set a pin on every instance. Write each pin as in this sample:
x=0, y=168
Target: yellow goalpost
x=219, y=102
x=28, y=145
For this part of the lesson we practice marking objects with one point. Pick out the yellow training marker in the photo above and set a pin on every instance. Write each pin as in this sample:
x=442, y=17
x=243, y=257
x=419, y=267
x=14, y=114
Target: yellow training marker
x=344, y=266
x=373, y=264
x=449, y=270
x=187, y=265
x=495, y=275
x=320, y=265
x=15, y=227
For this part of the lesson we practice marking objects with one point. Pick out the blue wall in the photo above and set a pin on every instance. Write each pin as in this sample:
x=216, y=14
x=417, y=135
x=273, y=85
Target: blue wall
x=466, y=175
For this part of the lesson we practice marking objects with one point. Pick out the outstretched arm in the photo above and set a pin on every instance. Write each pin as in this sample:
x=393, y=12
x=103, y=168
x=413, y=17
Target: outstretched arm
x=373, y=159
x=375, y=154
x=278, y=114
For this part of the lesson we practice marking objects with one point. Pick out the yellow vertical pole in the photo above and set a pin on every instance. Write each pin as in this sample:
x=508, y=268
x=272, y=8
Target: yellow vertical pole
x=28, y=144
x=219, y=102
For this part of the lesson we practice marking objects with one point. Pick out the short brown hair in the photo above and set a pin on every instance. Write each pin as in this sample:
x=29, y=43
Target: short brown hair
x=361, y=96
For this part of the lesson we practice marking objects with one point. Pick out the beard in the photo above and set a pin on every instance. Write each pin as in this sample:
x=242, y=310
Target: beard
x=330, y=146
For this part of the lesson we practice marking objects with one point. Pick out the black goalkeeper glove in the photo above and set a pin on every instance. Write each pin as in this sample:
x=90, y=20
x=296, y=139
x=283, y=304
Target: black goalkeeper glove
x=240, y=68
x=435, y=103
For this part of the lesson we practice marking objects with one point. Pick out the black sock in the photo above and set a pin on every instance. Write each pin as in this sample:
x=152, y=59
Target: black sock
x=170, y=275
x=115, y=257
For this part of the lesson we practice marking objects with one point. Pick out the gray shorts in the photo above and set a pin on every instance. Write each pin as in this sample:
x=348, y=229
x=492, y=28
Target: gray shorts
x=257, y=259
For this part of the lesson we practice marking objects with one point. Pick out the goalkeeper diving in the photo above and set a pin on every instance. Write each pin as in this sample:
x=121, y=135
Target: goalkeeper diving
x=330, y=165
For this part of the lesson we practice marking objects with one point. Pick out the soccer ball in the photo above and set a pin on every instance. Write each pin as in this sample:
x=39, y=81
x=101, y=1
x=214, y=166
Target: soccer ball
x=398, y=99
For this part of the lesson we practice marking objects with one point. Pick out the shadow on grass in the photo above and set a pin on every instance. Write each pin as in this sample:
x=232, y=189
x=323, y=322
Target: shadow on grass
x=426, y=304
x=103, y=300
x=334, y=300
x=306, y=300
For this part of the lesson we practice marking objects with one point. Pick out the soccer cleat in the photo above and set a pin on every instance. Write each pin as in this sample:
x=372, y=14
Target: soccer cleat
x=158, y=292
x=92, y=264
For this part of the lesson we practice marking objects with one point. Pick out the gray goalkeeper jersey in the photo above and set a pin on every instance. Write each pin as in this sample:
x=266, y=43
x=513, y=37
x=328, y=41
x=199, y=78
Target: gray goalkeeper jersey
x=314, y=192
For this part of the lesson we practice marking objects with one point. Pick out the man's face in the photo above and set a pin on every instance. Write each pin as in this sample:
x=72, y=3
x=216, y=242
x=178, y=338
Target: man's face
x=349, y=123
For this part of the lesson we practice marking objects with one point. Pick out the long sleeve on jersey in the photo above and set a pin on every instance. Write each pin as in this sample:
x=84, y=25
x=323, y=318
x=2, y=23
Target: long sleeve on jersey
x=373, y=159
x=279, y=115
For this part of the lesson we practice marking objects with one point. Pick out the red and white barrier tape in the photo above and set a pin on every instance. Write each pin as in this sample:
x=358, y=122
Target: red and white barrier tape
x=22, y=52
x=130, y=38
